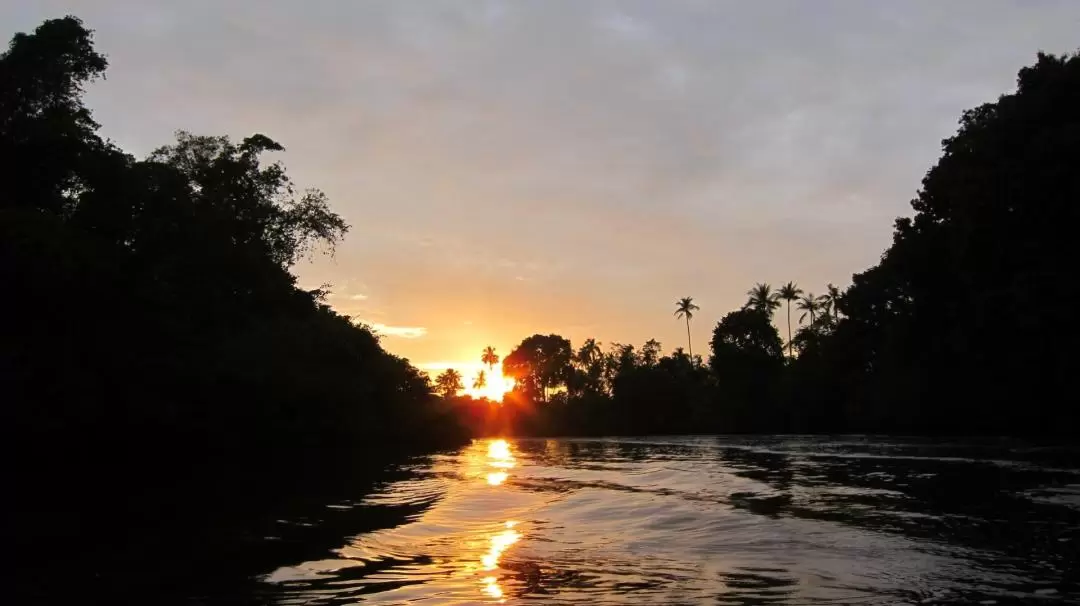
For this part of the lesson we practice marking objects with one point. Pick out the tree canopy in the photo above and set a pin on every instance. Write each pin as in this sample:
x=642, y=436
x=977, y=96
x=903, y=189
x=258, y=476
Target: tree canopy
x=152, y=314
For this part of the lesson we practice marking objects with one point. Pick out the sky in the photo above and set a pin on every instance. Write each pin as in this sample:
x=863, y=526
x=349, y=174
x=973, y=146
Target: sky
x=570, y=167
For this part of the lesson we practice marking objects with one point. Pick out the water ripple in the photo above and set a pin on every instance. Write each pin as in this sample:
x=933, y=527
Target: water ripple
x=719, y=520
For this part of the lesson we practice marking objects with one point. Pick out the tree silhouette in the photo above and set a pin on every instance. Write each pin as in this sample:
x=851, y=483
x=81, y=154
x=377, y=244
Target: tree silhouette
x=195, y=360
x=947, y=332
x=829, y=301
x=809, y=305
x=789, y=292
x=539, y=363
x=489, y=357
x=763, y=299
x=650, y=353
x=448, y=383
x=480, y=381
x=685, y=308
x=589, y=361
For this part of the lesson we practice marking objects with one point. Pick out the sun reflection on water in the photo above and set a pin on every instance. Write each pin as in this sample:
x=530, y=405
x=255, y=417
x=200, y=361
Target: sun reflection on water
x=500, y=542
x=499, y=450
x=500, y=457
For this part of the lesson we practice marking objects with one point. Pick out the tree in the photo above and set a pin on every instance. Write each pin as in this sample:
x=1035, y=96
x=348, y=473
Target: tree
x=48, y=138
x=589, y=360
x=448, y=383
x=809, y=305
x=789, y=292
x=650, y=353
x=480, y=381
x=762, y=298
x=194, y=353
x=255, y=202
x=747, y=360
x=685, y=308
x=829, y=301
x=588, y=354
x=489, y=357
x=747, y=333
x=538, y=364
x=948, y=331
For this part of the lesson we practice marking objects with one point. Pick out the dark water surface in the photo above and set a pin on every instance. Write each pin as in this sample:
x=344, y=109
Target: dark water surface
x=702, y=520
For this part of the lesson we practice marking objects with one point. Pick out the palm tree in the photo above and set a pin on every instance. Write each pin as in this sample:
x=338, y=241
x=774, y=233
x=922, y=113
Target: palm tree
x=789, y=292
x=589, y=359
x=809, y=305
x=480, y=381
x=588, y=354
x=685, y=308
x=763, y=299
x=489, y=357
x=829, y=301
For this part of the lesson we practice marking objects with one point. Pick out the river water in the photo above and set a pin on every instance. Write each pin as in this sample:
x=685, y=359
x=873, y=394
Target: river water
x=703, y=520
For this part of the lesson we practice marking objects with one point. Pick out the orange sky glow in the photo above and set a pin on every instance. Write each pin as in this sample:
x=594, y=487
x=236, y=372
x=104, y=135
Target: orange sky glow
x=498, y=186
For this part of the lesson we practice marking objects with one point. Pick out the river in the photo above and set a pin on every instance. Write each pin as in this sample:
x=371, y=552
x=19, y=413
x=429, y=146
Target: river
x=701, y=520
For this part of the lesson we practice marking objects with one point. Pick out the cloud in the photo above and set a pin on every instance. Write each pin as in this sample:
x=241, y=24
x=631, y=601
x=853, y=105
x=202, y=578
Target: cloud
x=358, y=297
x=657, y=150
x=405, y=332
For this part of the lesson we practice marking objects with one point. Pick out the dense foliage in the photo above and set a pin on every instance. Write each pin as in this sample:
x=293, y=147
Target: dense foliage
x=151, y=303
x=150, y=316
x=963, y=327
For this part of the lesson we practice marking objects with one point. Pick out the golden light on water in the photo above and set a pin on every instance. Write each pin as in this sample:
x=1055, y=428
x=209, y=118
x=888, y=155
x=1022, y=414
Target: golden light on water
x=491, y=588
x=500, y=456
x=500, y=542
x=499, y=450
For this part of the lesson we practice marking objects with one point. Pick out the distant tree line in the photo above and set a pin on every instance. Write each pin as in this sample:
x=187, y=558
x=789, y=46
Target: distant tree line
x=151, y=319
x=965, y=325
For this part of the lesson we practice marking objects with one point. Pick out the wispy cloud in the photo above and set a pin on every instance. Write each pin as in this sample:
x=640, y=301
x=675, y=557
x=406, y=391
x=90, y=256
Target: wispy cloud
x=405, y=332
x=358, y=297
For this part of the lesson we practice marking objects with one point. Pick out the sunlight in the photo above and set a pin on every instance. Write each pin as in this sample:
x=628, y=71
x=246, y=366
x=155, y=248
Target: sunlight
x=499, y=452
x=496, y=385
x=500, y=542
x=491, y=587
x=499, y=457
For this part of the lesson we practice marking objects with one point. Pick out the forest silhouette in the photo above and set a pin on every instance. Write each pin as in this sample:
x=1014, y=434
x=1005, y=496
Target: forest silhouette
x=155, y=345
x=157, y=348
x=962, y=328
x=152, y=306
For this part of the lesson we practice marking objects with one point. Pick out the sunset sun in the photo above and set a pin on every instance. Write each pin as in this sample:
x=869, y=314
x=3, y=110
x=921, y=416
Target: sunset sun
x=495, y=384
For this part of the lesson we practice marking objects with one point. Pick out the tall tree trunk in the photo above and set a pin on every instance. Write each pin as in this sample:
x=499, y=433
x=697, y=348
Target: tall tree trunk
x=789, y=328
x=689, y=344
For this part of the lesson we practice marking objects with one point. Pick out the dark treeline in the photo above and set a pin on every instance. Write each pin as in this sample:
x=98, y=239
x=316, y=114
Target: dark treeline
x=964, y=326
x=153, y=335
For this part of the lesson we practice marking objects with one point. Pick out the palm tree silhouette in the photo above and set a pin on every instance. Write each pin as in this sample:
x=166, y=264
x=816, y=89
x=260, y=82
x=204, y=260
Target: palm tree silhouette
x=685, y=308
x=829, y=301
x=763, y=299
x=480, y=381
x=589, y=353
x=489, y=357
x=809, y=305
x=789, y=292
